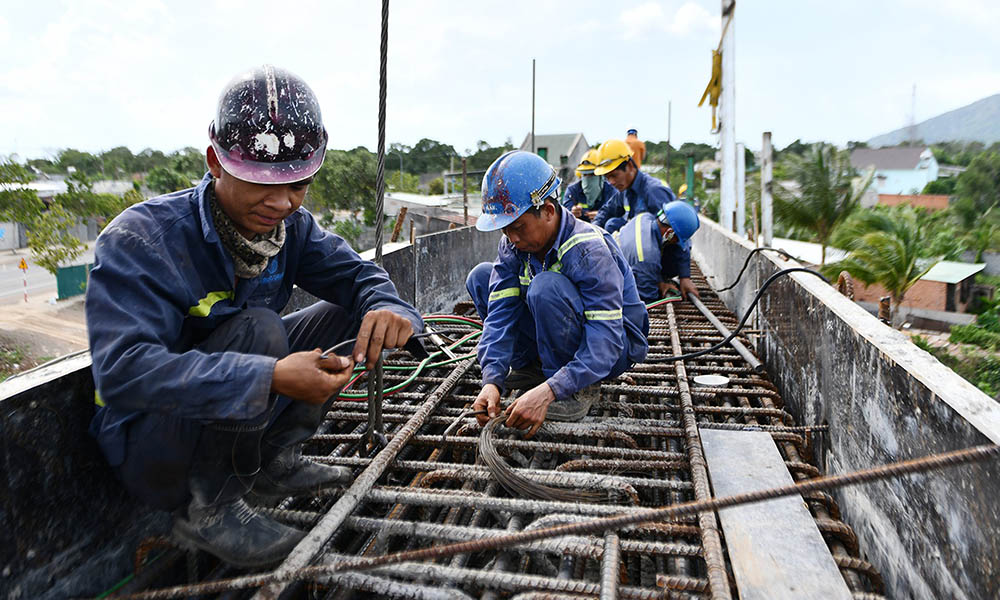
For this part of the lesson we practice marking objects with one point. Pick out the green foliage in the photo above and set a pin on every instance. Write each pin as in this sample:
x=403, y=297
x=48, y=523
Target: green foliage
x=945, y=185
x=979, y=185
x=163, y=180
x=349, y=229
x=485, y=154
x=975, y=335
x=425, y=156
x=50, y=239
x=346, y=181
x=406, y=183
x=17, y=203
x=886, y=247
x=12, y=360
x=979, y=368
x=922, y=343
x=828, y=194
x=957, y=153
x=436, y=186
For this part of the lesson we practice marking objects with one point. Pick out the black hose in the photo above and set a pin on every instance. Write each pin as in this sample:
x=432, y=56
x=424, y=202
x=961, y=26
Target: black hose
x=747, y=263
x=743, y=321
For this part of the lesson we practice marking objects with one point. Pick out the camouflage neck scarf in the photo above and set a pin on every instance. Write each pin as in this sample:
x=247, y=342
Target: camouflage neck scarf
x=250, y=257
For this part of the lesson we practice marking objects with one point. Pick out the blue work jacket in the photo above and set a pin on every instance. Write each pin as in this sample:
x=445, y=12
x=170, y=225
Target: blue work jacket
x=162, y=281
x=615, y=319
x=646, y=194
x=574, y=195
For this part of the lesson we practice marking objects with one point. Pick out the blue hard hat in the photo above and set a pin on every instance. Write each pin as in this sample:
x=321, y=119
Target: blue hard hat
x=682, y=218
x=515, y=182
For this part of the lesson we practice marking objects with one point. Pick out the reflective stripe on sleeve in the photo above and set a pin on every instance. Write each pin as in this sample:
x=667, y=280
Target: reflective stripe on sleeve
x=505, y=293
x=204, y=306
x=602, y=315
x=576, y=239
x=638, y=238
x=97, y=398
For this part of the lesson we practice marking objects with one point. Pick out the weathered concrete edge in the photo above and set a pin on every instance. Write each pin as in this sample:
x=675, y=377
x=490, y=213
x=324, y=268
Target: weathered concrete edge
x=966, y=399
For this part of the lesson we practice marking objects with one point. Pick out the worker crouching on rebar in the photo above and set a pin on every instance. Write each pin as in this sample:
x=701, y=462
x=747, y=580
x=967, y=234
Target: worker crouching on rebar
x=658, y=248
x=590, y=193
x=205, y=392
x=559, y=305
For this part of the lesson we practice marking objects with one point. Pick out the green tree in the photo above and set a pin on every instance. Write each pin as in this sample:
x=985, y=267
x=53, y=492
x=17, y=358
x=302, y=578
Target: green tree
x=436, y=186
x=945, y=185
x=82, y=161
x=51, y=240
x=485, y=154
x=827, y=193
x=885, y=247
x=408, y=183
x=346, y=181
x=18, y=203
x=980, y=183
x=163, y=180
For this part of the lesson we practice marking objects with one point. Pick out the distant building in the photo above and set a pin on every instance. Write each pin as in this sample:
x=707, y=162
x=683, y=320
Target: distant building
x=933, y=301
x=928, y=201
x=563, y=151
x=898, y=170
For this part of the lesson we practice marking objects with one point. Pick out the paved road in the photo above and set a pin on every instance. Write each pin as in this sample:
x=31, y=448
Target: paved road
x=40, y=282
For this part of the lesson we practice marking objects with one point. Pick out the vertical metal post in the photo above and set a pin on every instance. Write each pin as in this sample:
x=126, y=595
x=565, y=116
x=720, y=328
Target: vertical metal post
x=465, y=192
x=727, y=120
x=668, y=140
x=690, y=179
x=741, y=190
x=766, y=200
x=532, y=105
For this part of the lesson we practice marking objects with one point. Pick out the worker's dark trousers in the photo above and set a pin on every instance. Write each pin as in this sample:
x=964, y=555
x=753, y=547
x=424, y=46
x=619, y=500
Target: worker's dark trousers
x=552, y=327
x=167, y=459
x=614, y=224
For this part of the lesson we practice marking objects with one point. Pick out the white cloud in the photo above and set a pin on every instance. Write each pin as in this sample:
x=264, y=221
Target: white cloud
x=693, y=19
x=641, y=18
x=4, y=30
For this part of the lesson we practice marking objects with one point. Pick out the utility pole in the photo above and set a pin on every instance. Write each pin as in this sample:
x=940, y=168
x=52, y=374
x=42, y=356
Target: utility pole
x=741, y=190
x=465, y=192
x=727, y=120
x=766, y=200
x=532, y=105
x=668, y=141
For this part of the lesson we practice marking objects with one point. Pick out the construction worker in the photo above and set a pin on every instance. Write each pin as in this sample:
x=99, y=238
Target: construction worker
x=586, y=196
x=638, y=147
x=638, y=192
x=658, y=248
x=204, y=391
x=559, y=305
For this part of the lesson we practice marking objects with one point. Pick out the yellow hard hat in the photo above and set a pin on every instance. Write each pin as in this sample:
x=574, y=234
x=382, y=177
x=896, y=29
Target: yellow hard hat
x=588, y=163
x=682, y=189
x=611, y=154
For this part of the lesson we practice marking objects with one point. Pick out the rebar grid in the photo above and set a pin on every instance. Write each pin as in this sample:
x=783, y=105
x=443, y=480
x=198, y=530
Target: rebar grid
x=638, y=448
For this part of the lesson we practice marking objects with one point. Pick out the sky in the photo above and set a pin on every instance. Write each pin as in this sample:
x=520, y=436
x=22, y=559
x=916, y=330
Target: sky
x=96, y=74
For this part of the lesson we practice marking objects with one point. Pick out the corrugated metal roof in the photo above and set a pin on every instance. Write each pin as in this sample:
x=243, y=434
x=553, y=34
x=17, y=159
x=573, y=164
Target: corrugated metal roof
x=948, y=271
x=902, y=157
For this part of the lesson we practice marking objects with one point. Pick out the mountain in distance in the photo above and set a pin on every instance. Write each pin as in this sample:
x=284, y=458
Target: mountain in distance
x=977, y=122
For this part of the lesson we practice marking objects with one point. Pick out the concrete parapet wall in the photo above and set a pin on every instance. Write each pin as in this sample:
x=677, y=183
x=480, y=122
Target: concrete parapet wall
x=930, y=535
x=67, y=527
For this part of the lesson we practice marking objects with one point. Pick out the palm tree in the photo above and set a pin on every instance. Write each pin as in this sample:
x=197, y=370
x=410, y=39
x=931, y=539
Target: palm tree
x=828, y=193
x=885, y=247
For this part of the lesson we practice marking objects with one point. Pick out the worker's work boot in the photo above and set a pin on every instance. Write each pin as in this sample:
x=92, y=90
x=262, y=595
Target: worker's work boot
x=285, y=471
x=289, y=473
x=576, y=406
x=235, y=533
x=217, y=519
x=525, y=377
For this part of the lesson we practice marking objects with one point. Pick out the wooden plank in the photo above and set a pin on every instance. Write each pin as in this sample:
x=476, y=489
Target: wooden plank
x=777, y=552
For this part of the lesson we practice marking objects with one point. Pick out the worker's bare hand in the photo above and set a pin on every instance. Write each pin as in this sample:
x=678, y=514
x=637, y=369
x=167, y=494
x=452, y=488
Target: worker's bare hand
x=488, y=400
x=529, y=410
x=306, y=377
x=688, y=288
x=667, y=290
x=577, y=211
x=380, y=329
x=592, y=214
